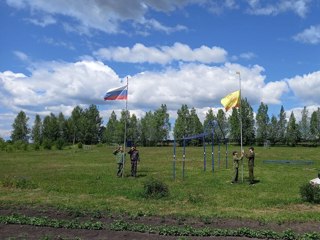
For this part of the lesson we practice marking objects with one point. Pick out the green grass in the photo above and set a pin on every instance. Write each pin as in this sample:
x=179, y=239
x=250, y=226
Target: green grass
x=86, y=180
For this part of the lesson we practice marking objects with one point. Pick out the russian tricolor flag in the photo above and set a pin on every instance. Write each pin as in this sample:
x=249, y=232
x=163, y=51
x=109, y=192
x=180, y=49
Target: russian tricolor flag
x=120, y=93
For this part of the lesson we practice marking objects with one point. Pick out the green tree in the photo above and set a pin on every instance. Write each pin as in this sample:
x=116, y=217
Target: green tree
x=162, y=123
x=282, y=126
x=111, y=133
x=63, y=129
x=292, y=131
x=132, y=129
x=315, y=126
x=36, y=133
x=148, y=136
x=74, y=124
x=273, y=130
x=181, y=127
x=90, y=125
x=195, y=126
x=247, y=120
x=20, y=128
x=262, y=122
x=304, y=125
x=50, y=128
x=222, y=125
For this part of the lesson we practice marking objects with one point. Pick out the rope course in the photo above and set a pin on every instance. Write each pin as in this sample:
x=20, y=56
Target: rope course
x=206, y=133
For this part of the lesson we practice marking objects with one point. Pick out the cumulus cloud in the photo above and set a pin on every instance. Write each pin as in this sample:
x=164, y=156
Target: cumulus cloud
x=57, y=84
x=310, y=35
x=306, y=87
x=139, y=53
x=299, y=7
x=105, y=16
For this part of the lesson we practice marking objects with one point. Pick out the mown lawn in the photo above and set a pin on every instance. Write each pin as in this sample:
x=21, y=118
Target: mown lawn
x=86, y=180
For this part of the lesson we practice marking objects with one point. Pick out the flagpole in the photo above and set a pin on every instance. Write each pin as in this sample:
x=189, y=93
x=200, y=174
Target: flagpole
x=125, y=128
x=240, y=122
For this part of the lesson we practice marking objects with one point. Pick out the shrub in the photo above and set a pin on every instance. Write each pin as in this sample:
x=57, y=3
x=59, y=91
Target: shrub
x=60, y=144
x=153, y=188
x=80, y=145
x=47, y=144
x=310, y=193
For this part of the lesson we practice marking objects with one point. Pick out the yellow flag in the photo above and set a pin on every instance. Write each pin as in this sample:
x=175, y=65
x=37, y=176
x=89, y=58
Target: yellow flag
x=231, y=101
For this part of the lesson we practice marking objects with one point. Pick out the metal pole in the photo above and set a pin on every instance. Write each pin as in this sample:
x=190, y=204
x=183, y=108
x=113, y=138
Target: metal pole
x=212, y=148
x=183, y=157
x=240, y=113
x=125, y=129
x=204, y=153
x=174, y=159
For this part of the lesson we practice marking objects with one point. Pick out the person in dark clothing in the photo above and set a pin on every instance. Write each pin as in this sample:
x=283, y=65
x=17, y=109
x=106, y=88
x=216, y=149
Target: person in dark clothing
x=250, y=156
x=236, y=164
x=135, y=158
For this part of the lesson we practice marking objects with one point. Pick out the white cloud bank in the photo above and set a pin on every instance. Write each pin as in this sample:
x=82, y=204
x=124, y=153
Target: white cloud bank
x=163, y=54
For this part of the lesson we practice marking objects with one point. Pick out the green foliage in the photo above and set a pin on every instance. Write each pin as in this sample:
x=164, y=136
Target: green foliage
x=310, y=193
x=154, y=188
x=60, y=144
x=47, y=144
x=80, y=145
x=20, y=128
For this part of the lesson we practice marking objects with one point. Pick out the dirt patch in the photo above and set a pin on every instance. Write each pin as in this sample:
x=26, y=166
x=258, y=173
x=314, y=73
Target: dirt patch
x=13, y=231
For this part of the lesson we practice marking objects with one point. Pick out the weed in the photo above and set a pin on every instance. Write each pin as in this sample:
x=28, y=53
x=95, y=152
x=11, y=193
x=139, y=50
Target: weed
x=154, y=188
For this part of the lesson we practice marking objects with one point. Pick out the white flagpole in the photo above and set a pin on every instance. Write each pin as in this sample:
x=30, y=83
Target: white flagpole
x=125, y=129
x=240, y=123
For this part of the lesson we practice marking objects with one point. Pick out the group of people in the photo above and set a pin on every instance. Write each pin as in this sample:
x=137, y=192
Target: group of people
x=236, y=163
x=120, y=157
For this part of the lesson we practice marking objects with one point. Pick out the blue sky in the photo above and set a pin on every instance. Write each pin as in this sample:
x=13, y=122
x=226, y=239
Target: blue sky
x=58, y=54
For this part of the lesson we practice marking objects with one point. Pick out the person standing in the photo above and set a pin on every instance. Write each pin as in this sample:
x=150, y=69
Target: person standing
x=134, y=157
x=236, y=161
x=250, y=156
x=120, y=160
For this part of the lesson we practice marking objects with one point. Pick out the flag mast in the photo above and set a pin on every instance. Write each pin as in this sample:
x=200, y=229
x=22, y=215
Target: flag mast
x=240, y=114
x=125, y=129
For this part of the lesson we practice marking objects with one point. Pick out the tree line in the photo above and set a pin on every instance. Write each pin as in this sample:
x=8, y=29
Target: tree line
x=85, y=126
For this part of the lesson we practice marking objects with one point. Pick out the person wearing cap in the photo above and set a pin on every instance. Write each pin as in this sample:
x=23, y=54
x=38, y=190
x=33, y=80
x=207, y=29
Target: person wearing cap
x=250, y=156
x=236, y=161
x=120, y=159
x=134, y=157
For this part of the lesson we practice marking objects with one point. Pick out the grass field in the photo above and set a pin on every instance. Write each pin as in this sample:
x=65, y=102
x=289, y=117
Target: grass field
x=86, y=180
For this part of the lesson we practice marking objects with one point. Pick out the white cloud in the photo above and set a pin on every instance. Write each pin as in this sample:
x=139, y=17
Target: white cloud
x=306, y=87
x=310, y=35
x=273, y=91
x=57, y=84
x=257, y=7
x=163, y=55
x=105, y=16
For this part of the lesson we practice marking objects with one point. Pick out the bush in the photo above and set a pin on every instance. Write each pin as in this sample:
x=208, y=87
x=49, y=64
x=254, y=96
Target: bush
x=47, y=144
x=80, y=145
x=310, y=193
x=60, y=144
x=154, y=188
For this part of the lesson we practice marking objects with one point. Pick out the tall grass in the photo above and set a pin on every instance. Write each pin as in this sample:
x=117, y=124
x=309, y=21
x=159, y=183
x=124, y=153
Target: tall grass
x=86, y=179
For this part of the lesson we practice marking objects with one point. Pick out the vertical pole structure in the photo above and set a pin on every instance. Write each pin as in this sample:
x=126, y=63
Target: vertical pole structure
x=204, y=153
x=219, y=152
x=183, y=157
x=174, y=160
x=226, y=143
x=212, y=147
x=240, y=122
x=125, y=129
